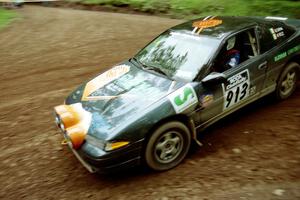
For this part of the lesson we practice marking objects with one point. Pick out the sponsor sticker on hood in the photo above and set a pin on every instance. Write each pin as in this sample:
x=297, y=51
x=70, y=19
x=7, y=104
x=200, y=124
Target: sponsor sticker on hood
x=102, y=80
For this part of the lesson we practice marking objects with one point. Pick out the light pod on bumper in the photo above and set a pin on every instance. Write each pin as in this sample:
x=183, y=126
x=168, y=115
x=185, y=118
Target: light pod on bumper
x=60, y=109
x=68, y=115
x=76, y=134
x=76, y=122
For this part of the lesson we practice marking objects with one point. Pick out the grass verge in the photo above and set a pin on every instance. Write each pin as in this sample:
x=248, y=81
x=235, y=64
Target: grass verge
x=6, y=16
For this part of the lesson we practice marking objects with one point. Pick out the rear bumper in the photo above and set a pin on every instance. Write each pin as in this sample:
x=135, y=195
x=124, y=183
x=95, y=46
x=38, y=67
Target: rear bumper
x=109, y=162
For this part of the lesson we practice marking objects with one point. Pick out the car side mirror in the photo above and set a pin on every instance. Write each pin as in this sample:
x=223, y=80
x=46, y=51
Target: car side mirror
x=214, y=78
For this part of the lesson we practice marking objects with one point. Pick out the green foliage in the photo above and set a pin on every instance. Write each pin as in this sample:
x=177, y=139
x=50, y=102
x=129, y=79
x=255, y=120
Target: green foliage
x=193, y=8
x=6, y=16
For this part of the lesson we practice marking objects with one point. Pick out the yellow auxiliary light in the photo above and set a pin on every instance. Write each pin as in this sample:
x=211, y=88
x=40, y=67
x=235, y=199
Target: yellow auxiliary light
x=74, y=122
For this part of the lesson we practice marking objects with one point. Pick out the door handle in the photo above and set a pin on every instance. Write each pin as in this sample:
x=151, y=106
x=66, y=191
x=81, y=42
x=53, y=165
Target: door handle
x=262, y=65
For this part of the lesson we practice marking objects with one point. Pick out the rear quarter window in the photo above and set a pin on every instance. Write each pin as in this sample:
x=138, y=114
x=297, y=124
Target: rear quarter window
x=273, y=34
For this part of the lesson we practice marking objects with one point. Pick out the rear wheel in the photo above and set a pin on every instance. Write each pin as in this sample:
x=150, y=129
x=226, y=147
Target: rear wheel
x=288, y=81
x=167, y=146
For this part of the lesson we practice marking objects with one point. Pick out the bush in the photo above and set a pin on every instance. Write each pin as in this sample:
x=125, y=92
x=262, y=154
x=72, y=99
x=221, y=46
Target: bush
x=192, y=8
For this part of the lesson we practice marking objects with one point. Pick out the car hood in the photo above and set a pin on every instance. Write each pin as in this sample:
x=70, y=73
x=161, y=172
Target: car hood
x=126, y=94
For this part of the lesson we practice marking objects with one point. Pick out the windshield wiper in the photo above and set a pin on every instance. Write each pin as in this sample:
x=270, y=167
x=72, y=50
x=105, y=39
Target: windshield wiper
x=156, y=69
x=150, y=68
x=139, y=62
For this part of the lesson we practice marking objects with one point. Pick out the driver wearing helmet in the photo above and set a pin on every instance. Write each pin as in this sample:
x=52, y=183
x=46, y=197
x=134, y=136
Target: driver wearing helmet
x=232, y=56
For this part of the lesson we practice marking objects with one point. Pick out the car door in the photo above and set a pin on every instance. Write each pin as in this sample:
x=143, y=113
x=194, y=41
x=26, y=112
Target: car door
x=242, y=83
x=273, y=37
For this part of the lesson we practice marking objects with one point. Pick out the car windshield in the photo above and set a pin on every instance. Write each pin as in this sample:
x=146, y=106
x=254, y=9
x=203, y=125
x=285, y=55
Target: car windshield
x=180, y=56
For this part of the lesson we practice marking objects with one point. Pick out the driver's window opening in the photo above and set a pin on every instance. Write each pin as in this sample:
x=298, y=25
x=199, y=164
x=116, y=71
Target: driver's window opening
x=236, y=50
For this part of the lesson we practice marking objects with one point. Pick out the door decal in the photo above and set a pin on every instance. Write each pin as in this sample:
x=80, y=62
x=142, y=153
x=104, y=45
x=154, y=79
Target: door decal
x=183, y=98
x=236, y=89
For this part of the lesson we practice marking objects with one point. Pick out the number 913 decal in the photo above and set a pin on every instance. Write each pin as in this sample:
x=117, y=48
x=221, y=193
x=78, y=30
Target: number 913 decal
x=236, y=89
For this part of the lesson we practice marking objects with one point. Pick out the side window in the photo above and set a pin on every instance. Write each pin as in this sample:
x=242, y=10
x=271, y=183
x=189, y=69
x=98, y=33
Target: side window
x=289, y=31
x=266, y=39
x=236, y=50
x=272, y=35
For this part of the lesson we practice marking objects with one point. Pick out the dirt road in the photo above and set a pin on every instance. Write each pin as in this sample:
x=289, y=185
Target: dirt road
x=44, y=55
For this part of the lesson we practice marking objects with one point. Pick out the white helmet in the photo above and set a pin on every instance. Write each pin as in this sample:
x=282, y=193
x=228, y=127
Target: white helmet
x=230, y=43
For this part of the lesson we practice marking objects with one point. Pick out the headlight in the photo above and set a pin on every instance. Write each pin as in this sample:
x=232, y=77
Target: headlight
x=59, y=123
x=57, y=120
x=95, y=142
x=62, y=126
x=104, y=145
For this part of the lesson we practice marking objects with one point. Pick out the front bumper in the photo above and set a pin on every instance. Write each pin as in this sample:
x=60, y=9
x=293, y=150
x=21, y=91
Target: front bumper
x=95, y=159
x=108, y=162
x=123, y=158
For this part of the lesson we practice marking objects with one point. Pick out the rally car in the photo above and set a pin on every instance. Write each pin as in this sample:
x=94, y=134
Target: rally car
x=149, y=108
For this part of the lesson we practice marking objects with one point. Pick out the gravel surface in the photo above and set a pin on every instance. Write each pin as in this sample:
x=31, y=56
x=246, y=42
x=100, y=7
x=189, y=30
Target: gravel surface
x=252, y=154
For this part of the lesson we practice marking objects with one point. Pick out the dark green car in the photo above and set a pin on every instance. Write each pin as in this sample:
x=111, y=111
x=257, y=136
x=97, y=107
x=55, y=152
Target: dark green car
x=149, y=108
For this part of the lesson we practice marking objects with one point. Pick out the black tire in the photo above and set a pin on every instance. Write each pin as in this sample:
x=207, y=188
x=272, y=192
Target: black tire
x=167, y=146
x=287, y=82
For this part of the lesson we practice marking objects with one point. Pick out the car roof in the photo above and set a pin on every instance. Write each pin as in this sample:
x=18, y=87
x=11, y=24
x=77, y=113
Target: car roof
x=216, y=26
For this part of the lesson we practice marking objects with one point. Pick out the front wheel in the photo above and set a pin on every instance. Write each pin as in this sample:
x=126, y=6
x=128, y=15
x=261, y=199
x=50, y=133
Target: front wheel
x=167, y=146
x=288, y=81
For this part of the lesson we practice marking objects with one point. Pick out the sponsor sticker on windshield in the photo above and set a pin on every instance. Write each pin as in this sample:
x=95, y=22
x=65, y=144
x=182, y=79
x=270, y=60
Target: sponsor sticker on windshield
x=207, y=22
x=183, y=98
x=276, y=18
